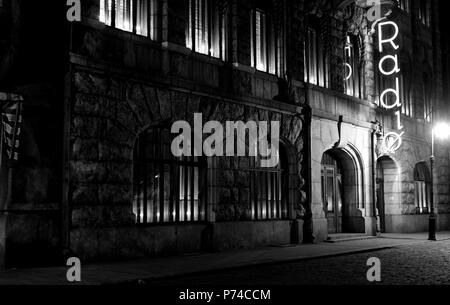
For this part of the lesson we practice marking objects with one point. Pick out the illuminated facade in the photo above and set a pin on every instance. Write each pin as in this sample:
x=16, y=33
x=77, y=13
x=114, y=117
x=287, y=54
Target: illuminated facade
x=100, y=182
x=372, y=143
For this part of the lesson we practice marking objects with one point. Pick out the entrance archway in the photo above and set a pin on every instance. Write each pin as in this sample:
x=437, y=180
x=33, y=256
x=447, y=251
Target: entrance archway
x=387, y=190
x=342, y=196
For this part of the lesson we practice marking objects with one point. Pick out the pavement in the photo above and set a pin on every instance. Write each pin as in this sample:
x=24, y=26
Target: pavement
x=164, y=267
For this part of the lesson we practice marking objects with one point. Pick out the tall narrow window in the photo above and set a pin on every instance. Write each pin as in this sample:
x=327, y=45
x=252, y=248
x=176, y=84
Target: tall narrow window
x=137, y=16
x=422, y=187
x=165, y=188
x=106, y=7
x=405, y=91
x=124, y=15
x=260, y=41
x=267, y=39
x=428, y=111
x=206, y=30
x=353, y=71
x=317, y=60
x=405, y=5
x=423, y=13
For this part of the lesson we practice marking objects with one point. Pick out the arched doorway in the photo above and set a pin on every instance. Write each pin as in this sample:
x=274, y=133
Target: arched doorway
x=331, y=176
x=387, y=191
x=342, y=191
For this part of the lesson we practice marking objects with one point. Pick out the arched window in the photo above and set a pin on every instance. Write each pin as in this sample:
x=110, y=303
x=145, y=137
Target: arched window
x=353, y=69
x=165, y=188
x=422, y=182
x=317, y=61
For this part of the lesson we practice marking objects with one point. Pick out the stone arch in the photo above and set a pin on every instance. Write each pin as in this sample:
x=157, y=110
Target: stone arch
x=351, y=168
x=388, y=190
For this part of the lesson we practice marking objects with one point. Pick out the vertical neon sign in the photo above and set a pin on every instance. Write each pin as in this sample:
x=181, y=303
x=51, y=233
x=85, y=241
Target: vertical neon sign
x=390, y=97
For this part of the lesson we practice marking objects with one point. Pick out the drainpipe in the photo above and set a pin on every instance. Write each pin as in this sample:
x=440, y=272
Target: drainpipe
x=308, y=229
x=374, y=133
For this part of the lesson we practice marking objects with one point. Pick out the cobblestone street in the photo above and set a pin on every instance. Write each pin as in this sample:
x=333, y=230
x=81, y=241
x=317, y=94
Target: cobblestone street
x=417, y=264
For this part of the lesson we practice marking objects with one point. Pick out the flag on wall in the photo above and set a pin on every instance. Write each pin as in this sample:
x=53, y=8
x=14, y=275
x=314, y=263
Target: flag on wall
x=11, y=123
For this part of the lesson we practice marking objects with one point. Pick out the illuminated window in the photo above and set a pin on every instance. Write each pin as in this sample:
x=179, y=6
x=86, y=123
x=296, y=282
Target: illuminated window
x=269, y=190
x=267, y=40
x=137, y=16
x=316, y=60
x=165, y=188
x=353, y=69
x=405, y=91
x=422, y=185
x=206, y=28
x=405, y=5
x=424, y=15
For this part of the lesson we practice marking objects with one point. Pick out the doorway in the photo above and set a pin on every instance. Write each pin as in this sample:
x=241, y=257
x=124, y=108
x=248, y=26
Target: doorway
x=387, y=192
x=332, y=193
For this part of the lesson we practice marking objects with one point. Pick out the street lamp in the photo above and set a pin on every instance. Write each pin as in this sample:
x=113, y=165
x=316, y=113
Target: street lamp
x=441, y=131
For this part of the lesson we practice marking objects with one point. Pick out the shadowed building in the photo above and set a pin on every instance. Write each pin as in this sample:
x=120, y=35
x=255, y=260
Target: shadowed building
x=96, y=177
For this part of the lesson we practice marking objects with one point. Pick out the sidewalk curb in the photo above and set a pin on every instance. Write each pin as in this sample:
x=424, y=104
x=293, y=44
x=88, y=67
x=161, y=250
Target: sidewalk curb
x=266, y=263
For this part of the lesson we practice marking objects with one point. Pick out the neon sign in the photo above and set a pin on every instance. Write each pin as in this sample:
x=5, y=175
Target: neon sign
x=389, y=67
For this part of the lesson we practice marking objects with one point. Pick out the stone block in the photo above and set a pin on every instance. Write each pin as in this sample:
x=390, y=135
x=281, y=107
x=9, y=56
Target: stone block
x=85, y=149
x=84, y=194
x=115, y=194
x=88, y=172
x=85, y=127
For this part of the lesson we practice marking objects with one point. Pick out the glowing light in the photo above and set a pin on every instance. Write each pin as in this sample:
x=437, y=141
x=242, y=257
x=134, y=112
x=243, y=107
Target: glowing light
x=442, y=131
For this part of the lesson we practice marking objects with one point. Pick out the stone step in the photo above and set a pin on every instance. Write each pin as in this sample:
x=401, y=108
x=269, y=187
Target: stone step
x=335, y=238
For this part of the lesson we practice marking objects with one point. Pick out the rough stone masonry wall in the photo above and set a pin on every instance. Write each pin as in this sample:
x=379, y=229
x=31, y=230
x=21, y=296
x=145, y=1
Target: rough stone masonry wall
x=108, y=114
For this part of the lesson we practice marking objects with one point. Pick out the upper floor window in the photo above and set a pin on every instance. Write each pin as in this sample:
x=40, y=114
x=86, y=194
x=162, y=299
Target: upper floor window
x=267, y=39
x=428, y=111
x=405, y=5
x=405, y=91
x=424, y=14
x=206, y=28
x=317, y=62
x=353, y=68
x=136, y=16
x=165, y=188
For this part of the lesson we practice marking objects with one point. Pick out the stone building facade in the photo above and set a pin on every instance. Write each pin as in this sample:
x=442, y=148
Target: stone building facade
x=371, y=188
x=95, y=178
